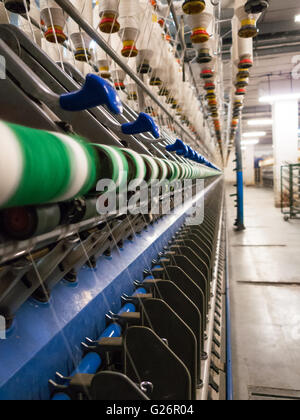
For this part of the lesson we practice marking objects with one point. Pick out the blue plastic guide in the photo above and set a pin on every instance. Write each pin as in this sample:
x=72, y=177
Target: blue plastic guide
x=186, y=151
x=143, y=124
x=95, y=91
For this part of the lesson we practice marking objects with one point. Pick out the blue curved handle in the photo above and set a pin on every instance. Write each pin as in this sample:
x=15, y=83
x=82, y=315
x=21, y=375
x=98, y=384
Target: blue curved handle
x=182, y=149
x=196, y=156
x=191, y=154
x=143, y=124
x=204, y=161
x=213, y=167
x=95, y=91
x=179, y=147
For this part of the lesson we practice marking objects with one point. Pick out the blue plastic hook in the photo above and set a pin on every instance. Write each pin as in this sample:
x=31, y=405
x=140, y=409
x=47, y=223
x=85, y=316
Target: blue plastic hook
x=95, y=91
x=191, y=154
x=196, y=156
x=182, y=149
x=201, y=159
x=213, y=166
x=179, y=147
x=143, y=124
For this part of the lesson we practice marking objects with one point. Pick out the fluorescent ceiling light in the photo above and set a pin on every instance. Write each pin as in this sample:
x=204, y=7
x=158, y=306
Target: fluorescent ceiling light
x=249, y=142
x=297, y=18
x=284, y=97
x=260, y=123
x=255, y=134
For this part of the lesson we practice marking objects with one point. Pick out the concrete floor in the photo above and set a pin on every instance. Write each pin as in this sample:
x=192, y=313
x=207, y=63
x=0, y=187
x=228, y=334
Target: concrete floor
x=265, y=297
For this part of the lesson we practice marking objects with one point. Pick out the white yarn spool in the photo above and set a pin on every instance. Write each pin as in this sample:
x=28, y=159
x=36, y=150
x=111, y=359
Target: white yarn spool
x=199, y=25
x=54, y=18
x=108, y=12
x=102, y=60
x=11, y=163
x=79, y=167
x=80, y=40
x=247, y=21
x=129, y=27
x=147, y=20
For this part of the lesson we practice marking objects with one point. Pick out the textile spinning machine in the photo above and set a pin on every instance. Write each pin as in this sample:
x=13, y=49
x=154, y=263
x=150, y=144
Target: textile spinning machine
x=112, y=217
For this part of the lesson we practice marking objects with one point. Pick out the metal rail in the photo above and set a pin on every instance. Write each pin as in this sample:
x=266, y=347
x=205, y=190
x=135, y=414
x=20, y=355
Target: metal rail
x=203, y=395
x=229, y=376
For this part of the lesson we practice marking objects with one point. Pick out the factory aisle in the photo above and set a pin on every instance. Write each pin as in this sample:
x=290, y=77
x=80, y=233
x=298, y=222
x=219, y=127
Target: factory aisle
x=265, y=300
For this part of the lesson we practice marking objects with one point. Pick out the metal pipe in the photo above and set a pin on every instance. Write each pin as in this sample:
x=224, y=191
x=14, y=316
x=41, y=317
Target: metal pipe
x=75, y=15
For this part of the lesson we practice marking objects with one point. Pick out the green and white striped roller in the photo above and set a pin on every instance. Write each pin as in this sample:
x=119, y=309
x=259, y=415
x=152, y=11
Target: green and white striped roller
x=176, y=170
x=194, y=172
x=39, y=167
x=152, y=169
x=201, y=172
x=136, y=165
x=113, y=165
x=180, y=170
x=189, y=170
x=184, y=170
x=163, y=169
x=171, y=170
x=197, y=172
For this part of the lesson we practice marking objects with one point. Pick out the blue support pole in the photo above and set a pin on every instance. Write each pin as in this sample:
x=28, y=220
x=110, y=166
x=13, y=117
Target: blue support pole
x=239, y=182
